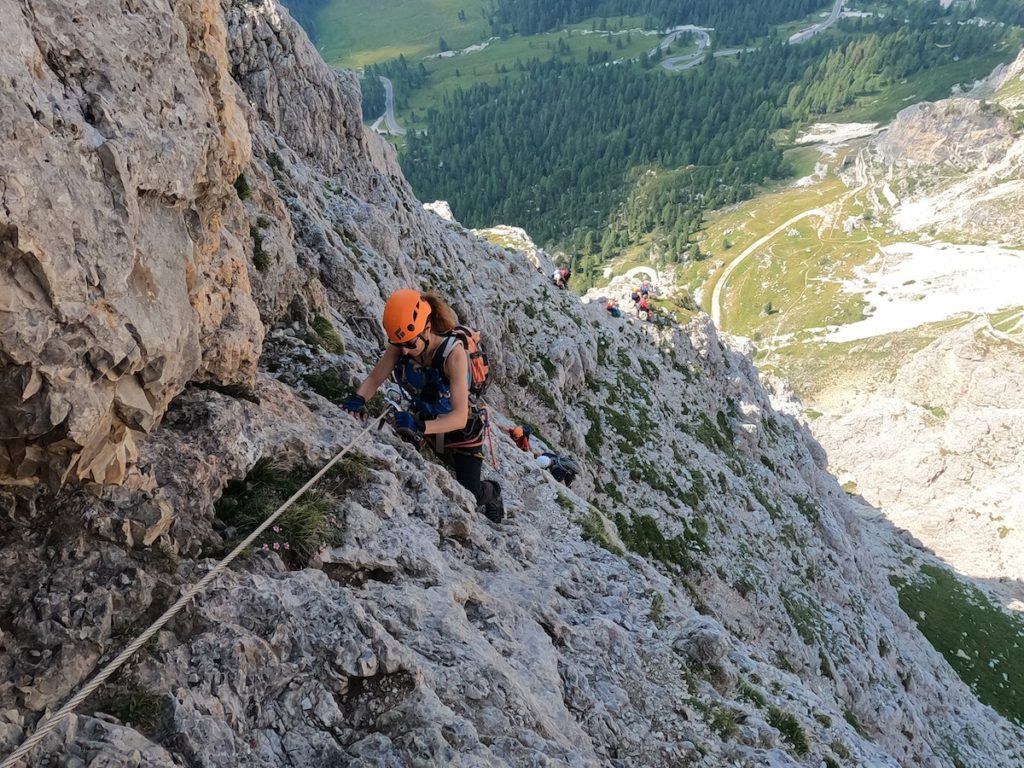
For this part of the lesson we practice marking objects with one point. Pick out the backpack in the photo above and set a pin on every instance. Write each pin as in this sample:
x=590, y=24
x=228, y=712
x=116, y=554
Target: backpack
x=562, y=466
x=479, y=365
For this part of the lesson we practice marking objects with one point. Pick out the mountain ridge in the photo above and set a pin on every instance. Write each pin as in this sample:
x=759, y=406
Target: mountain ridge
x=728, y=609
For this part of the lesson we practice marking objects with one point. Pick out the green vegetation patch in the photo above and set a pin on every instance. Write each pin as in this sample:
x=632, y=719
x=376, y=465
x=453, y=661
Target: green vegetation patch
x=712, y=437
x=789, y=728
x=594, y=529
x=718, y=718
x=642, y=535
x=354, y=33
x=305, y=527
x=326, y=336
x=980, y=641
x=329, y=384
x=805, y=615
x=144, y=710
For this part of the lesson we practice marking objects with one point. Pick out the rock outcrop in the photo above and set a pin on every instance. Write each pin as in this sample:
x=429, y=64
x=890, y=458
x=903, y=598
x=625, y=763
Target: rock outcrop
x=124, y=272
x=965, y=134
x=937, y=450
x=701, y=596
x=956, y=167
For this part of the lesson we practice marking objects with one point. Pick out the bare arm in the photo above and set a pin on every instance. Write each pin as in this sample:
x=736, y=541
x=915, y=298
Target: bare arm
x=380, y=373
x=456, y=370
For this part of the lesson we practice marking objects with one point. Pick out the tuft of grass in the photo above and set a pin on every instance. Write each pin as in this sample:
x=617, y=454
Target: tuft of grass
x=790, y=729
x=804, y=613
x=548, y=366
x=851, y=718
x=720, y=720
x=260, y=258
x=327, y=336
x=565, y=502
x=774, y=510
x=595, y=436
x=657, y=612
x=301, y=531
x=807, y=509
x=593, y=530
x=141, y=709
x=840, y=749
x=329, y=384
x=753, y=695
x=612, y=491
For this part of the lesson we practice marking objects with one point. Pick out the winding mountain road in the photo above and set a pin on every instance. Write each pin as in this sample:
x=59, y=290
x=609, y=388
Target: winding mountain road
x=388, y=118
x=690, y=60
x=679, y=63
x=807, y=34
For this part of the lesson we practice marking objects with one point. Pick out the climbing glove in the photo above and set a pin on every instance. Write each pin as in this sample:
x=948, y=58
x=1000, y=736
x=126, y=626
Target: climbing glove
x=408, y=426
x=355, y=404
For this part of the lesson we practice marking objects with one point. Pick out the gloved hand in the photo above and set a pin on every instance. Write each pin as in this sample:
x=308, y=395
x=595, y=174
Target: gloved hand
x=355, y=404
x=408, y=426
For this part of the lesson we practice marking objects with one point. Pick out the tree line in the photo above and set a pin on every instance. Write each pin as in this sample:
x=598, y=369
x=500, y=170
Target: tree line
x=595, y=158
x=871, y=63
x=735, y=21
x=552, y=150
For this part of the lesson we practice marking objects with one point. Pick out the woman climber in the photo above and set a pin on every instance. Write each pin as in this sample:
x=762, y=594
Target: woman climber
x=429, y=361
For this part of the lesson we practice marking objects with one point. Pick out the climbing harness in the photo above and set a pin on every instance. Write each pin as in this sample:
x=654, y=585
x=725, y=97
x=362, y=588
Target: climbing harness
x=52, y=722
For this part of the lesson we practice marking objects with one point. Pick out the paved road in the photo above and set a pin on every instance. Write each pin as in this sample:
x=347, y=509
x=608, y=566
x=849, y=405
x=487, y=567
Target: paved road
x=678, y=64
x=810, y=32
x=716, y=296
x=690, y=60
x=391, y=125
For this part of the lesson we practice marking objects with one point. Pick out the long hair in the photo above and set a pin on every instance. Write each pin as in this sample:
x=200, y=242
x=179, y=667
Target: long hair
x=442, y=317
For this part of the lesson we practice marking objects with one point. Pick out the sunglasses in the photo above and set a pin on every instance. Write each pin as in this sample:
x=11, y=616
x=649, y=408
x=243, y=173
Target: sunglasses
x=406, y=344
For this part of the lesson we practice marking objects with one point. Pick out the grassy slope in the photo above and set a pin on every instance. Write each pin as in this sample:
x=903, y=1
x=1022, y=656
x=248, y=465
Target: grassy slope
x=479, y=66
x=355, y=33
x=979, y=640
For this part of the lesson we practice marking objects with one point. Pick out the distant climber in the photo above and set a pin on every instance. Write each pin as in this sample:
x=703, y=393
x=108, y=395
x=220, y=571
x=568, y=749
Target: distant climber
x=521, y=436
x=645, y=288
x=562, y=468
x=613, y=308
x=635, y=297
x=561, y=276
x=428, y=358
x=644, y=308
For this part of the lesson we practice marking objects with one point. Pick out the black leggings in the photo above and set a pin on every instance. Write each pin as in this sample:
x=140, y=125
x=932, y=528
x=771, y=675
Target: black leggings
x=467, y=464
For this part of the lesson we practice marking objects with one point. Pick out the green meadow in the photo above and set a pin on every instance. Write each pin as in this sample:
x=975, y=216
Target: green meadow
x=981, y=641
x=354, y=33
x=501, y=58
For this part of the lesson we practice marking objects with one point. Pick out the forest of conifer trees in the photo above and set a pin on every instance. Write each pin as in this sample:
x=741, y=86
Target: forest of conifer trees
x=596, y=157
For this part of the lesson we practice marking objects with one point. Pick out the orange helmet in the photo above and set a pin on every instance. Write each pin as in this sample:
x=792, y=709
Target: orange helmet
x=405, y=315
x=517, y=432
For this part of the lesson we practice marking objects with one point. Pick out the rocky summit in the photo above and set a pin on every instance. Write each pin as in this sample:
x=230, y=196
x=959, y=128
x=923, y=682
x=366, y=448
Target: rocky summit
x=197, y=238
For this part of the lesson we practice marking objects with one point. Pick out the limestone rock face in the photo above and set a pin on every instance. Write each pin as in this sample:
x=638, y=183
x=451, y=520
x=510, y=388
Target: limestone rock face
x=955, y=168
x=702, y=595
x=936, y=450
x=123, y=275
x=964, y=133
